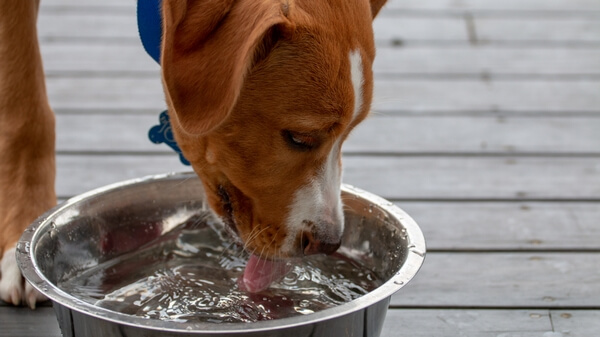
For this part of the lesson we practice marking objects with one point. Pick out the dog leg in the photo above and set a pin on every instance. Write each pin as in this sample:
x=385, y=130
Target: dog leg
x=27, y=165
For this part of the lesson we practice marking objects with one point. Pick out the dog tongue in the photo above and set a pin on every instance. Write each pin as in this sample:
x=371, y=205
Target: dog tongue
x=260, y=273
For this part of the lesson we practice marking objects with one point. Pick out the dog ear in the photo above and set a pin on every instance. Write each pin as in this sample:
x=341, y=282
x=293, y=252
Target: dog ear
x=376, y=6
x=208, y=47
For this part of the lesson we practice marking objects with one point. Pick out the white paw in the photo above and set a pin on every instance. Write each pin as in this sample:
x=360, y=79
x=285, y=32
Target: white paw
x=13, y=289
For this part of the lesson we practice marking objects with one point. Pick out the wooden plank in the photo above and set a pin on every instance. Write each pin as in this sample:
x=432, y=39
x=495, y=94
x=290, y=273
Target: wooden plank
x=490, y=323
x=416, y=95
x=406, y=28
x=98, y=59
x=87, y=3
x=472, y=323
x=106, y=93
x=514, y=5
x=485, y=226
x=400, y=29
x=422, y=95
x=411, y=178
x=564, y=30
x=489, y=60
x=79, y=173
x=576, y=323
x=378, y=134
x=88, y=24
x=475, y=178
x=24, y=322
x=510, y=280
x=468, y=134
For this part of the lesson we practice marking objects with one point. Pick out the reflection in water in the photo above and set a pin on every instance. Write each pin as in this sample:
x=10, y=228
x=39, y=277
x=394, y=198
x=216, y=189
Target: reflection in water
x=190, y=274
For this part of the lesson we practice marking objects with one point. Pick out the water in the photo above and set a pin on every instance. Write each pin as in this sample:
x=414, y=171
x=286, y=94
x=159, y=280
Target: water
x=191, y=275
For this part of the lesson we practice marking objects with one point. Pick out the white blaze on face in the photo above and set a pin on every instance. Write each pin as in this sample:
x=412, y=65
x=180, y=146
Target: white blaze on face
x=319, y=202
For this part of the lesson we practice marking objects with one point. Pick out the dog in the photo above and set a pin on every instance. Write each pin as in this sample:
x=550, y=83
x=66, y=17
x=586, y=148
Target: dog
x=261, y=95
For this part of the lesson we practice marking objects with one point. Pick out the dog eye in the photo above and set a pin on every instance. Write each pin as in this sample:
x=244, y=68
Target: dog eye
x=299, y=141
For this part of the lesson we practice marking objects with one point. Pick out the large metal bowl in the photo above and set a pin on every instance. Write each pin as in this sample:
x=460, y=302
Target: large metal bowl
x=61, y=242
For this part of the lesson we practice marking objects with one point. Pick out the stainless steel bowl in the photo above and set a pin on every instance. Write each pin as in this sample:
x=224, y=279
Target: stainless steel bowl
x=64, y=241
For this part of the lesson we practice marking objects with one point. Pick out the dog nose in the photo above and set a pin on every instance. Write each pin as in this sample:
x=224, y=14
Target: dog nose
x=315, y=243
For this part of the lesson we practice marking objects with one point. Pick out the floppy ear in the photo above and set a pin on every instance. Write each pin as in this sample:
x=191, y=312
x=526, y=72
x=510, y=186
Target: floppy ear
x=208, y=47
x=376, y=6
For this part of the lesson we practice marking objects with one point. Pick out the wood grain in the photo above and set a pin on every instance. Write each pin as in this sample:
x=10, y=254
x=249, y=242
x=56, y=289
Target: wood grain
x=507, y=226
x=504, y=280
x=472, y=323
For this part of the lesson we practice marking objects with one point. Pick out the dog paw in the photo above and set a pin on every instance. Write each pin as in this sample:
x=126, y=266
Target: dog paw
x=13, y=288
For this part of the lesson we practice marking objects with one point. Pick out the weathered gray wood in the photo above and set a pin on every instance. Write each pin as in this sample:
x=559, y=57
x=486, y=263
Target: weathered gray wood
x=475, y=178
x=87, y=3
x=514, y=5
x=106, y=93
x=88, y=24
x=452, y=95
x=407, y=28
x=487, y=29
x=391, y=177
x=510, y=280
x=511, y=226
x=378, y=134
x=79, y=173
x=97, y=59
x=490, y=323
x=471, y=323
x=576, y=323
x=94, y=58
x=390, y=94
x=528, y=29
x=489, y=60
x=471, y=134
x=23, y=322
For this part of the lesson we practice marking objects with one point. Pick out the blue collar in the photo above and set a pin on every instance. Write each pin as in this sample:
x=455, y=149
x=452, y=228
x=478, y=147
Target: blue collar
x=150, y=28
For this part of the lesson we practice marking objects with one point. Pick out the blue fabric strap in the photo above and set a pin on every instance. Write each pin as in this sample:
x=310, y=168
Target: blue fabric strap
x=150, y=26
x=150, y=29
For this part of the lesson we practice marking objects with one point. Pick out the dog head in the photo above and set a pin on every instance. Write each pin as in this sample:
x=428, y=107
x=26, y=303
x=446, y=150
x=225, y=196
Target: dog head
x=261, y=94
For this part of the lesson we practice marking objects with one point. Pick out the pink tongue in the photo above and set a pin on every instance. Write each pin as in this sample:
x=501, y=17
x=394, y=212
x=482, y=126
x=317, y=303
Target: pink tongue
x=260, y=273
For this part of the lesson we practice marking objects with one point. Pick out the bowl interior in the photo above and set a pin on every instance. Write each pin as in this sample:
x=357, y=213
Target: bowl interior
x=105, y=223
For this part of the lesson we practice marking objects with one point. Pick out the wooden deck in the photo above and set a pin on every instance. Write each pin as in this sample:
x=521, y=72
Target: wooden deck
x=486, y=130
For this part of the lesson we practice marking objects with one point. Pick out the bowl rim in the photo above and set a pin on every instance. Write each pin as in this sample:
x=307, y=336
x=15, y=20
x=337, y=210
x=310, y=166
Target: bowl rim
x=30, y=270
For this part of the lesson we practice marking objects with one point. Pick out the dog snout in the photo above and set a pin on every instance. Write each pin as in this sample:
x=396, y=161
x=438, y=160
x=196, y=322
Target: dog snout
x=315, y=240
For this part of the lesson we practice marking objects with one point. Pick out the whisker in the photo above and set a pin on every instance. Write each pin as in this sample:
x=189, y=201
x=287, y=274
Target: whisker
x=254, y=232
x=274, y=237
x=250, y=239
x=264, y=261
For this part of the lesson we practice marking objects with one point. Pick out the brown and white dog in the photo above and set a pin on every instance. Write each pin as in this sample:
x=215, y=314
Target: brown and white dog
x=261, y=95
